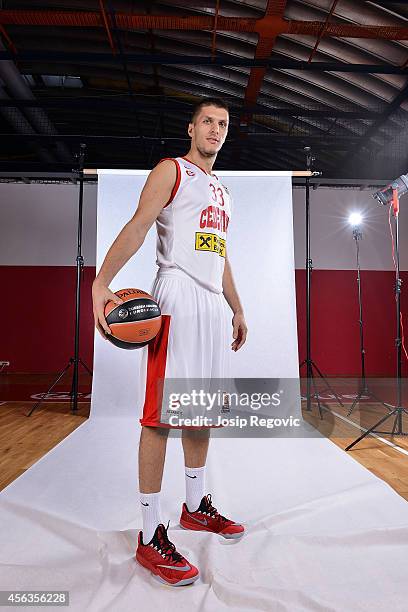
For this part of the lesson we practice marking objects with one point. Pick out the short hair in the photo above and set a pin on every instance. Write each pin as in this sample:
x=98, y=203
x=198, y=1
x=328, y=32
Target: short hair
x=218, y=102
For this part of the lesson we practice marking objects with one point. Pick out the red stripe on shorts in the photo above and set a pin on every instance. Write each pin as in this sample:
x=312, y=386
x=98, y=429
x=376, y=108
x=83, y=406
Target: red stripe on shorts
x=156, y=369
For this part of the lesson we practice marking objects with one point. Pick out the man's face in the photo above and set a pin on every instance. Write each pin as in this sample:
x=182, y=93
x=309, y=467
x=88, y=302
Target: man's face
x=209, y=130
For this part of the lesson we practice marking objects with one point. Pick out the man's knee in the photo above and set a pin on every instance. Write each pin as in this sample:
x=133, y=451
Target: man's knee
x=197, y=432
x=155, y=431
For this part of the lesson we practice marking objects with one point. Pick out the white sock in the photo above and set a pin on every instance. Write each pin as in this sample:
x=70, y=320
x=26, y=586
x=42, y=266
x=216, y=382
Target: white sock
x=151, y=514
x=194, y=487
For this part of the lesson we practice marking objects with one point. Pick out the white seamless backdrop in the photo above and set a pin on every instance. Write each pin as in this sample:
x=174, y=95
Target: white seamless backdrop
x=260, y=247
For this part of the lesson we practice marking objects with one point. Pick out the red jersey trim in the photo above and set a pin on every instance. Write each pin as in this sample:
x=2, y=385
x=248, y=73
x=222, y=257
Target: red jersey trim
x=177, y=181
x=202, y=169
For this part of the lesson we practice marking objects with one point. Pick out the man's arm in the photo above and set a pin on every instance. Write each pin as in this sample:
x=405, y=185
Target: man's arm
x=156, y=193
x=230, y=292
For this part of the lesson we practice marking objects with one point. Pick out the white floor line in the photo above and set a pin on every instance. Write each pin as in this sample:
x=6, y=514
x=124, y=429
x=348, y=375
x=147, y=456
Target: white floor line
x=397, y=448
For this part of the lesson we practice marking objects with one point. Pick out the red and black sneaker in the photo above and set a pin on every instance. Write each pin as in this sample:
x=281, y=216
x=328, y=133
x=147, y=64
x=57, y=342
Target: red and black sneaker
x=165, y=563
x=207, y=518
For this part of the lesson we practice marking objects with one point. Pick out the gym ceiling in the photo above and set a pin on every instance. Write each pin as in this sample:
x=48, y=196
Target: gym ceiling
x=122, y=77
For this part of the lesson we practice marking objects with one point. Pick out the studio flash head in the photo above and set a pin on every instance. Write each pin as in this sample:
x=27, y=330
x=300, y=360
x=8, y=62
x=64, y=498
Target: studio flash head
x=384, y=196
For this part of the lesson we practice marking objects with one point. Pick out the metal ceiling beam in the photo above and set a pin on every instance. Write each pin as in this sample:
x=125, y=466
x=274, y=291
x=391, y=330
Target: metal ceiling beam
x=320, y=36
x=108, y=103
x=108, y=30
x=321, y=181
x=271, y=25
x=322, y=140
x=116, y=32
x=267, y=37
x=274, y=11
x=54, y=57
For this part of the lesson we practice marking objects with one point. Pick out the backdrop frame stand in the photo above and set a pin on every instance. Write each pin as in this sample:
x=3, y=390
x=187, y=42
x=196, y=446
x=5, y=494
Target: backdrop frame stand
x=310, y=364
x=76, y=360
x=399, y=410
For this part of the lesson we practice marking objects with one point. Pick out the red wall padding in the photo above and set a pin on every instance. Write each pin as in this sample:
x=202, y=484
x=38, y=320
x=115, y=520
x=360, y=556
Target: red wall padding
x=335, y=316
x=39, y=305
x=39, y=317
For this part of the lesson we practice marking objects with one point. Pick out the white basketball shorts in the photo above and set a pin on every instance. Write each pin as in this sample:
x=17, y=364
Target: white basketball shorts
x=193, y=342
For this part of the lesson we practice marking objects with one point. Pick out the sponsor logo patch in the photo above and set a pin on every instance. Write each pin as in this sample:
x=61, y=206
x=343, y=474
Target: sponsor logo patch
x=210, y=242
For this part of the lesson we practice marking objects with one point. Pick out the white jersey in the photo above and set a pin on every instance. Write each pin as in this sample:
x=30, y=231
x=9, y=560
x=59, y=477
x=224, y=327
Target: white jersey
x=192, y=226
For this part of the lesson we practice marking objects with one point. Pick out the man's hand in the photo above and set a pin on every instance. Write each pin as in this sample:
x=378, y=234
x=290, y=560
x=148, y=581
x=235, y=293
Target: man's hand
x=239, y=331
x=100, y=296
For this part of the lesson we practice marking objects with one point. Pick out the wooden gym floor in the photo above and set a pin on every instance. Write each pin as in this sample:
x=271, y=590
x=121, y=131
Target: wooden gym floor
x=24, y=440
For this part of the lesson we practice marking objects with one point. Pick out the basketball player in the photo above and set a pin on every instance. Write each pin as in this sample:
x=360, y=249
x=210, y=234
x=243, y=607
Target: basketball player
x=192, y=209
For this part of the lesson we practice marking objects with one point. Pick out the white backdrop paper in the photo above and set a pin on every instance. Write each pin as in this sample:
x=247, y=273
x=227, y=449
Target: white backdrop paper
x=260, y=248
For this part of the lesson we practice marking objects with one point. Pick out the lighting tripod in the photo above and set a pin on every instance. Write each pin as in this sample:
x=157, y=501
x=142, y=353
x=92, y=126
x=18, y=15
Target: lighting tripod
x=358, y=235
x=310, y=364
x=76, y=360
x=399, y=410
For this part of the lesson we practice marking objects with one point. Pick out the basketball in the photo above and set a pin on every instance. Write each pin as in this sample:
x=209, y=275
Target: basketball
x=135, y=322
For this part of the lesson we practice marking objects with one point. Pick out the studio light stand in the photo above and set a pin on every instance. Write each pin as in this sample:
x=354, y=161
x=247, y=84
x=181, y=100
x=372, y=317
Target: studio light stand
x=310, y=364
x=364, y=391
x=76, y=360
x=399, y=410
